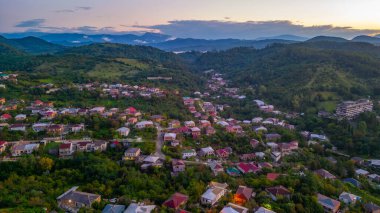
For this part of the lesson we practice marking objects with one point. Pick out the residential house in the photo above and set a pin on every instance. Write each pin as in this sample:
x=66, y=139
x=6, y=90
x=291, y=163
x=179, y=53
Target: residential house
x=189, y=124
x=77, y=128
x=264, y=210
x=216, y=167
x=277, y=191
x=3, y=146
x=248, y=168
x=132, y=120
x=233, y=208
x=374, y=178
x=20, y=117
x=112, y=208
x=234, y=129
x=242, y=195
x=84, y=146
x=361, y=172
x=210, y=130
x=22, y=148
x=371, y=208
x=144, y=124
x=56, y=129
x=204, y=123
x=39, y=127
x=247, y=157
x=132, y=153
x=328, y=204
x=123, y=131
x=213, y=194
x=272, y=137
x=174, y=124
x=188, y=153
x=232, y=171
x=99, y=146
x=276, y=156
x=130, y=111
x=176, y=201
x=157, y=118
x=73, y=200
x=273, y=176
x=324, y=174
x=195, y=132
x=178, y=165
x=139, y=208
x=151, y=161
x=17, y=127
x=66, y=149
x=97, y=110
x=170, y=136
x=348, y=198
x=254, y=143
x=206, y=151
x=353, y=181
x=224, y=153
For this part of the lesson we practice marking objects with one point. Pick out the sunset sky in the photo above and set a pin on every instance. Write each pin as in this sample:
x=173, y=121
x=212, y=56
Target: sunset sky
x=194, y=18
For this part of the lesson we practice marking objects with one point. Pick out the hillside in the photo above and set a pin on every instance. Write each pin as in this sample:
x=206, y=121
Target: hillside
x=106, y=62
x=32, y=45
x=300, y=76
x=189, y=44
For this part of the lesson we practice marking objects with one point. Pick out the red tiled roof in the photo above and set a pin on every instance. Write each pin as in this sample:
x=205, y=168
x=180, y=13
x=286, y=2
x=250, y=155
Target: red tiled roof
x=65, y=146
x=176, y=200
x=272, y=176
x=6, y=116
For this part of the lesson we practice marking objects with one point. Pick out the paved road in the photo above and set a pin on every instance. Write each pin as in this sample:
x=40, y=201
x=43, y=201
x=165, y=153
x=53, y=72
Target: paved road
x=159, y=143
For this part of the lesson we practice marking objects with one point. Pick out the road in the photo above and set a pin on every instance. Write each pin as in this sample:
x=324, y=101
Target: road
x=159, y=143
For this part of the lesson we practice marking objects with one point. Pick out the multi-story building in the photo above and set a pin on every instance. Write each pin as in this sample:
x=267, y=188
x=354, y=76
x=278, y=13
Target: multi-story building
x=351, y=109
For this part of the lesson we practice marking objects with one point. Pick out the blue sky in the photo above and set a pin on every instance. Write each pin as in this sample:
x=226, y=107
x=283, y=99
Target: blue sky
x=194, y=18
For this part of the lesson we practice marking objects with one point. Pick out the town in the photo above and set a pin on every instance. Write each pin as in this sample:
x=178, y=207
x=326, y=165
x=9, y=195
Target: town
x=263, y=146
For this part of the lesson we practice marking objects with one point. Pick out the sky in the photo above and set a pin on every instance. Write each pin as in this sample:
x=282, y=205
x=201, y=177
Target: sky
x=246, y=19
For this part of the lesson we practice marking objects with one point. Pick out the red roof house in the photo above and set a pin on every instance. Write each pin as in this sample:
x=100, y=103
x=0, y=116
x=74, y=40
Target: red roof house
x=176, y=200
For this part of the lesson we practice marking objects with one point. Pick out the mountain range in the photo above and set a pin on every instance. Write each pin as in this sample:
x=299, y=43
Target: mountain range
x=59, y=41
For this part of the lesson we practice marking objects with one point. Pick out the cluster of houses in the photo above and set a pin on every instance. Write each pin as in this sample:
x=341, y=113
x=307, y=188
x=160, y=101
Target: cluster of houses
x=8, y=76
x=123, y=90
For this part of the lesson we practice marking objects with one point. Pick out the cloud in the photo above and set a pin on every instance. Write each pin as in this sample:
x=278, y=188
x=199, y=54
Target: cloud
x=31, y=23
x=216, y=29
x=84, y=8
x=73, y=10
x=65, y=11
x=81, y=29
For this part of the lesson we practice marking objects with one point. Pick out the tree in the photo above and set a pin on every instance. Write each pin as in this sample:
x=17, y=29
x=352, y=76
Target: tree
x=46, y=163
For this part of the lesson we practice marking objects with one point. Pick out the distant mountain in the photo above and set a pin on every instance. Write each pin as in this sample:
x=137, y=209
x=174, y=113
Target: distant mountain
x=32, y=45
x=327, y=38
x=77, y=39
x=203, y=45
x=368, y=39
x=285, y=37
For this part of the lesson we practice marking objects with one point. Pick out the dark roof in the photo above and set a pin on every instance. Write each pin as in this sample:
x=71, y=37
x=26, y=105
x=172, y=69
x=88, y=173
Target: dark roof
x=278, y=190
x=80, y=197
x=245, y=191
x=370, y=207
x=353, y=181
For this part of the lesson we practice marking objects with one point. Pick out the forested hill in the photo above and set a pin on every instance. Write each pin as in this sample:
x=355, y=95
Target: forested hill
x=300, y=76
x=32, y=45
x=104, y=62
x=143, y=53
